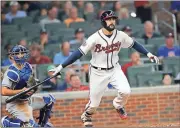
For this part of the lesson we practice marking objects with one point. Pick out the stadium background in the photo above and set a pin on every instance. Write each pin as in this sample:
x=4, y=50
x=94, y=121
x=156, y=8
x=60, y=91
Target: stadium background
x=144, y=107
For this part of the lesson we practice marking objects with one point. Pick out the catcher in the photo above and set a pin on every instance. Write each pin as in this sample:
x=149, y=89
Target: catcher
x=18, y=77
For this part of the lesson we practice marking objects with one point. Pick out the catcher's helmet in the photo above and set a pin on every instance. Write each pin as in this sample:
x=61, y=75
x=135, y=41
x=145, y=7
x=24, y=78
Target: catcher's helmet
x=17, y=50
x=107, y=15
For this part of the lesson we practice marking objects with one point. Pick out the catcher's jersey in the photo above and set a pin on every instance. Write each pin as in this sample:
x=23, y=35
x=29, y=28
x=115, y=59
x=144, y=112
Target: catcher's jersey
x=105, y=50
x=18, y=79
x=15, y=78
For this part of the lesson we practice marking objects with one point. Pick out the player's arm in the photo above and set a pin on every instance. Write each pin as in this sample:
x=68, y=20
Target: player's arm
x=71, y=59
x=5, y=91
x=10, y=77
x=140, y=48
x=128, y=42
x=82, y=50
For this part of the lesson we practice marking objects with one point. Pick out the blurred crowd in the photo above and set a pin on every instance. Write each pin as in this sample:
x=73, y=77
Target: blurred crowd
x=72, y=12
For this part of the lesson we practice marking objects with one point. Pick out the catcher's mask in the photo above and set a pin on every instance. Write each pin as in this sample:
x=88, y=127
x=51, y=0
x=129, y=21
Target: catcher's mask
x=19, y=54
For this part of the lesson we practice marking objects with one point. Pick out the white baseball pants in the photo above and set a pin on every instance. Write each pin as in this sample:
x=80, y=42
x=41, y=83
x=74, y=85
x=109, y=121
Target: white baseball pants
x=99, y=79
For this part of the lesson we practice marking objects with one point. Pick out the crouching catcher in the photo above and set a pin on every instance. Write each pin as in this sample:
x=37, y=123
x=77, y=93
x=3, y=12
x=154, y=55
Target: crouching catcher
x=17, y=78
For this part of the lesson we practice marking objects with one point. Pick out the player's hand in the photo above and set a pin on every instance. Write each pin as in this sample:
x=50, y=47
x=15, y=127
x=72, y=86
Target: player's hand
x=153, y=58
x=28, y=93
x=56, y=70
x=23, y=89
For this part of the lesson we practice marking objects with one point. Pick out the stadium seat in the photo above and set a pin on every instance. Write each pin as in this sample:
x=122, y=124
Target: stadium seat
x=157, y=41
x=86, y=57
x=119, y=27
x=30, y=27
x=67, y=38
x=89, y=31
x=137, y=27
x=34, y=13
x=37, y=19
x=8, y=28
x=140, y=40
x=137, y=33
x=82, y=25
x=149, y=79
x=96, y=24
x=34, y=34
x=55, y=38
x=90, y=17
x=134, y=70
x=75, y=46
x=124, y=53
x=130, y=21
x=23, y=20
x=48, y=53
x=42, y=71
x=149, y=47
x=55, y=26
x=51, y=49
x=15, y=41
x=3, y=53
x=171, y=64
x=63, y=31
x=14, y=34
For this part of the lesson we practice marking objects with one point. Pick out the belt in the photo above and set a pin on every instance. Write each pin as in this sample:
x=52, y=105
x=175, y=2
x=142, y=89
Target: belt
x=98, y=68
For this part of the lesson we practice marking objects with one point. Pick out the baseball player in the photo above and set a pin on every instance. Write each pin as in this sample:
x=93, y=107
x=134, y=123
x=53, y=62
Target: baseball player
x=105, y=44
x=19, y=77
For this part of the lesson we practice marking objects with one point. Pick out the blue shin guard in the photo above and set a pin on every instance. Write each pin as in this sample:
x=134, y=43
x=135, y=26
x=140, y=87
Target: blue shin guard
x=45, y=112
x=8, y=122
x=16, y=123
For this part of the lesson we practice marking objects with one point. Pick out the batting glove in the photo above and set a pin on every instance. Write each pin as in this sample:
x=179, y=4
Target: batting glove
x=56, y=70
x=153, y=58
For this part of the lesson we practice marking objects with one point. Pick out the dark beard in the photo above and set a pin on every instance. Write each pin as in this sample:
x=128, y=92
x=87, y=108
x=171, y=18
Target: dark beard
x=111, y=27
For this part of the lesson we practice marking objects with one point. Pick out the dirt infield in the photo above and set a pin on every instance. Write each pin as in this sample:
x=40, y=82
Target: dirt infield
x=155, y=125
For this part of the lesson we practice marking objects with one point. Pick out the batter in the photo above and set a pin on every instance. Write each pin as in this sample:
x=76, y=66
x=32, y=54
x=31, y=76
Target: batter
x=105, y=44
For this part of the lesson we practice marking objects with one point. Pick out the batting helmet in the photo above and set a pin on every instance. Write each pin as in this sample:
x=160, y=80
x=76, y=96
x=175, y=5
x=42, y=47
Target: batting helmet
x=17, y=50
x=107, y=15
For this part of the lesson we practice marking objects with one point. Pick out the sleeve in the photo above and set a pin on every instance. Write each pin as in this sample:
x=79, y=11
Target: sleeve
x=177, y=52
x=6, y=82
x=127, y=41
x=160, y=52
x=56, y=60
x=87, y=45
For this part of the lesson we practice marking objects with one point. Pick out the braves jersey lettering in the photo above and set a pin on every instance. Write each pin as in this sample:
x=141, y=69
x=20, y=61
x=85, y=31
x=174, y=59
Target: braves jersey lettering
x=108, y=49
x=99, y=44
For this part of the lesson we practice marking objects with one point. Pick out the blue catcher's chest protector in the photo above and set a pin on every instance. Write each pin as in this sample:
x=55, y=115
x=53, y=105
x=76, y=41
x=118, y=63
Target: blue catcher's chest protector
x=23, y=75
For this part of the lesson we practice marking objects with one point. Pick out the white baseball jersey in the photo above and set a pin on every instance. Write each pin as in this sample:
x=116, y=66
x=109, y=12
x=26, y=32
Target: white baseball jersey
x=104, y=49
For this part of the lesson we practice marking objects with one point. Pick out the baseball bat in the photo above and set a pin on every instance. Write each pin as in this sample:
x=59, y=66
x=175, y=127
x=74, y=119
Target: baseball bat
x=18, y=95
